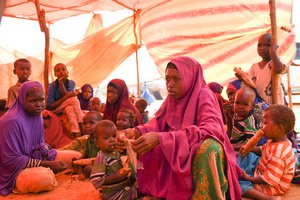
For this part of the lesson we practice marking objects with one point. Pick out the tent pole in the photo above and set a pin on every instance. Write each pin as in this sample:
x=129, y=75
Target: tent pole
x=136, y=13
x=289, y=88
x=44, y=28
x=274, y=76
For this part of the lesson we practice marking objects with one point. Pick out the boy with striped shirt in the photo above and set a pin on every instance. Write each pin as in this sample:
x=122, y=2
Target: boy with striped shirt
x=275, y=169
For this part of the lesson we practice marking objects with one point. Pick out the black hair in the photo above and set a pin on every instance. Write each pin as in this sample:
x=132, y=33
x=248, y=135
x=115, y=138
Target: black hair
x=20, y=60
x=98, y=115
x=282, y=114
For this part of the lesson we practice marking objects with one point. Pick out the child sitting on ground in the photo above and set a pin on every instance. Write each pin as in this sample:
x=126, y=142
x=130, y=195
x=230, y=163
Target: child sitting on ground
x=141, y=105
x=275, y=169
x=62, y=98
x=244, y=125
x=125, y=119
x=85, y=95
x=108, y=172
x=22, y=68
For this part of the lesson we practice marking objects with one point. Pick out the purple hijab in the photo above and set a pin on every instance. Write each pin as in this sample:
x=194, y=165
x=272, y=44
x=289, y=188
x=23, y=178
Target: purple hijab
x=183, y=125
x=21, y=138
x=84, y=103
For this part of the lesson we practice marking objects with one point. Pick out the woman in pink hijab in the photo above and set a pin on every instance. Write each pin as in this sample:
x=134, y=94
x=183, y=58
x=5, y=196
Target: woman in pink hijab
x=184, y=149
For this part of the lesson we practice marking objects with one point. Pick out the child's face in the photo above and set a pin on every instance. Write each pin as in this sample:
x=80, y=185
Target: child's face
x=95, y=104
x=35, y=102
x=87, y=93
x=263, y=46
x=123, y=121
x=60, y=71
x=242, y=105
x=112, y=95
x=271, y=129
x=23, y=71
x=89, y=121
x=105, y=138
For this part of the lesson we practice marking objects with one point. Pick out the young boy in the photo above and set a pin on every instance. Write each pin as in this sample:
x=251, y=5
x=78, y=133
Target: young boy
x=125, y=119
x=22, y=68
x=244, y=125
x=95, y=104
x=108, y=173
x=275, y=169
x=141, y=105
x=62, y=98
x=261, y=72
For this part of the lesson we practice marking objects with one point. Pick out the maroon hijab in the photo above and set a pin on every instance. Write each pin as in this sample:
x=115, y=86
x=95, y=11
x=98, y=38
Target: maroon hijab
x=183, y=125
x=111, y=110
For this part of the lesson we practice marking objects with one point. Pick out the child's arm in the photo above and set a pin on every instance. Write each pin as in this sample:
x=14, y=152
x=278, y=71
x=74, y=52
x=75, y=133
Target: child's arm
x=255, y=180
x=279, y=67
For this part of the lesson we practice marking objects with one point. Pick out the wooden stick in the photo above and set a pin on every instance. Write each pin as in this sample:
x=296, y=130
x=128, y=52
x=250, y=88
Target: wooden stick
x=289, y=89
x=274, y=76
x=44, y=28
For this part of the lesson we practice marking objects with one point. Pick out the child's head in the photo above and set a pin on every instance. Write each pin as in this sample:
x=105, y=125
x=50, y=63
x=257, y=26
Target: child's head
x=90, y=119
x=243, y=102
x=264, y=42
x=60, y=70
x=125, y=119
x=278, y=120
x=95, y=104
x=105, y=133
x=87, y=91
x=22, y=68
x=141, y=105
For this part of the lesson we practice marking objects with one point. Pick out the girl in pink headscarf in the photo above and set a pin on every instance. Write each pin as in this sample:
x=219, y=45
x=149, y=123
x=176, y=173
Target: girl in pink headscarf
x=184, y=149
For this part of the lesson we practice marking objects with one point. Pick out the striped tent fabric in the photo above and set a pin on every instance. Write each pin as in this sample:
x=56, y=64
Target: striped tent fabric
x=219, y=34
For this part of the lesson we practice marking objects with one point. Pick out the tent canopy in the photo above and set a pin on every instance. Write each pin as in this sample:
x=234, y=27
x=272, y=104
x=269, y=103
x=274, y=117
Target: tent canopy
x=219, y=34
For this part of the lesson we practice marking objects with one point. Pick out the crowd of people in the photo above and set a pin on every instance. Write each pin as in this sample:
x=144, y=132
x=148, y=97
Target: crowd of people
x=190, y=149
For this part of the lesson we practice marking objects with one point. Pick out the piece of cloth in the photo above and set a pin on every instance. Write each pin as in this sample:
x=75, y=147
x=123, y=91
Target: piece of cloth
x=12, y=94
x=276, y=167
x=243, y=126
x=262, y=80
x=106, y=165
x=21, y=140
x=111, y=110
x=208, y=169
x=55, y=134
x=84, y=103
x=182, y=127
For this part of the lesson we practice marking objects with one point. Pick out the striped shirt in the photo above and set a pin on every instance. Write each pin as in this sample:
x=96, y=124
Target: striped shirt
x=244, y=126
x=276, y=167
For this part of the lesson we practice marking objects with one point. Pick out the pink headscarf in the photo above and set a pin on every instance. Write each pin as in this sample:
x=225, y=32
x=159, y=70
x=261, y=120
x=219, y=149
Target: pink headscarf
x=111, y=110
x=183, y=125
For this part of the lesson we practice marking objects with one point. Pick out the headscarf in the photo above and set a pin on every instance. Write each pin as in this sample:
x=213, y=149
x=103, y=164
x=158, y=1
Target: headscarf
x=234, y=85
x=111, y=110
x=182, y=127
x=84, y=103
x=215, y=87
x=21, y=138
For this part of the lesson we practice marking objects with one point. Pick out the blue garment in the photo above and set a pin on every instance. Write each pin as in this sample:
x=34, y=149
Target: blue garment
x=248, y=163
x=54, y=92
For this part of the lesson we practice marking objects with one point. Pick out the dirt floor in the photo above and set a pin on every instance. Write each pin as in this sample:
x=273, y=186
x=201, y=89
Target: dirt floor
x=69, y=188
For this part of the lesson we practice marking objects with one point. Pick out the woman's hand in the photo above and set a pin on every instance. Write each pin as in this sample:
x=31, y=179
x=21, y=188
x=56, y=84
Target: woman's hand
x=56, y=166
x=122, y=136
x=145, y=143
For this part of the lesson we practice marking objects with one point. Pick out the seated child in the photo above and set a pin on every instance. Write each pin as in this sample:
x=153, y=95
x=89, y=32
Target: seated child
x=125, y=119
x=274, y=171
x=95, y=104
x=85, y=95
x=62, y=98
x=243, y=122
x=90, y=148
x=108, y=173
x=22, y=68
x=141, y=105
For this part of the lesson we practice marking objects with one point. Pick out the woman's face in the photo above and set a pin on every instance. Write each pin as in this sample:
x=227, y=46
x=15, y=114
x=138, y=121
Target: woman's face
x=173, y=83
x=35, y=102
x=112, y=95
x=87, y=93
